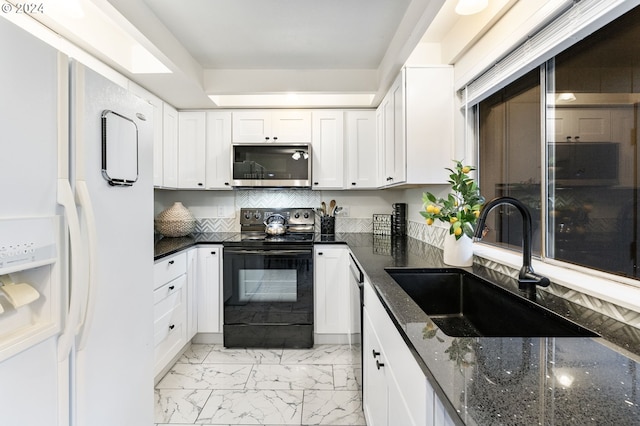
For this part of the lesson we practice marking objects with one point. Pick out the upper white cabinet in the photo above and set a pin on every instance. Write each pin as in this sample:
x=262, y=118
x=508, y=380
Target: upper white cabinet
x=191, y=149
x=360, y=141
x=158, y=130
x=218, y=150
x=415, y=127
x=582, y=124
x=328, y=149
x=169, y=146
x=272, y=126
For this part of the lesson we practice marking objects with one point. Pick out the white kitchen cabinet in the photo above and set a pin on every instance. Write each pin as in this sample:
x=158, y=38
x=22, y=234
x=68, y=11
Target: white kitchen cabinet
x=332, y=293
x=209, y=289
x=375, y=390
x=157, y=104
x=169, y=146
x=396, y=390
x=360, y=140
x=282, y=126
x=192, y=293
x=415, y=127
x=582, y=124
x=328, y=149
x=218, y=150
x=170, y=309
x=191, y=149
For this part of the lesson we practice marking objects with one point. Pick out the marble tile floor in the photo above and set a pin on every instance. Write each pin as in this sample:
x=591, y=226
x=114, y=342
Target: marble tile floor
x=211, y=385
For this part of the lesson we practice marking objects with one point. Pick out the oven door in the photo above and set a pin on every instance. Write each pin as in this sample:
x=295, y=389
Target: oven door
x=268, y=297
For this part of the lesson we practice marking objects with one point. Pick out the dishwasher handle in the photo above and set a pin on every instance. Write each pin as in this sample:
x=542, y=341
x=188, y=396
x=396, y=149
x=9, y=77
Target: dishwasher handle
x=355, y=270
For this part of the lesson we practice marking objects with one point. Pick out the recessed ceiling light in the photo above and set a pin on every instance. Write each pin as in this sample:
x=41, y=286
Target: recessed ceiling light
x=308, y=100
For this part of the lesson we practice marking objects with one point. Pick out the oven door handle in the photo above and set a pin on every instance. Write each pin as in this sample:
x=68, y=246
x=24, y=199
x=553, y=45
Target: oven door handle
x=268, y=252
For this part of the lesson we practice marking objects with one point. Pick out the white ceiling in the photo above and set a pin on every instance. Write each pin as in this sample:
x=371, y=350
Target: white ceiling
x=283, y=34
x=247, y=47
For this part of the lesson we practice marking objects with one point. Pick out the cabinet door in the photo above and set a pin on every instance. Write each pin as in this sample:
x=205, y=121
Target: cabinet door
x=191, y=149
x=209, y=310
x=361, y=142
x=582, y=125
x=169, y=146
x=291, y=126
x=381, y=179
x=328, y=150
x=218, y=150
x=331, y=286
x=374, y=380
x=192, y=296
x=399, y=167
x=251, y=126
x=429, y=110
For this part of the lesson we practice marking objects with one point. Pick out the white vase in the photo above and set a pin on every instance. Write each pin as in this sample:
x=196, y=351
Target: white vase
x=458, y=252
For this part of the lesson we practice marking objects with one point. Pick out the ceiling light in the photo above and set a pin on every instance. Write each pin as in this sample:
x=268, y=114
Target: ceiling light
x=470, y=7
x=290, y=100
x=566, y=97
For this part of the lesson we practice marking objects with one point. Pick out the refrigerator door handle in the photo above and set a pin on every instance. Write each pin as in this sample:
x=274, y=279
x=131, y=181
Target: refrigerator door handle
x=66, y=200
x=89, y=303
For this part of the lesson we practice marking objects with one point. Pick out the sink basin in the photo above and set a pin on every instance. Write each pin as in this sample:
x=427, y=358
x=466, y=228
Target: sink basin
x=464, y=305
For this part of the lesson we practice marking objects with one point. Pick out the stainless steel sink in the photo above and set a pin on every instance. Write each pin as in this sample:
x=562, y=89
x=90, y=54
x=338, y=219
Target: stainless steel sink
x=464, y=305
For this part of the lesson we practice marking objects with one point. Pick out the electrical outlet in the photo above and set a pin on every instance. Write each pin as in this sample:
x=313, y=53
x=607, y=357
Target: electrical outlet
x=344, y=212
x=221, y=211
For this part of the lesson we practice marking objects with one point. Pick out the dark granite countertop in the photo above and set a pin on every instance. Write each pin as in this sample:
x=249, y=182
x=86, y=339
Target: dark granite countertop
x=512, y=381
x=498, y=381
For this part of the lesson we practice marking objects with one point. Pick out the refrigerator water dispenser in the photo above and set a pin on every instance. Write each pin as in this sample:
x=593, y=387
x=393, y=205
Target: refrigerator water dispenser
x=30, y=282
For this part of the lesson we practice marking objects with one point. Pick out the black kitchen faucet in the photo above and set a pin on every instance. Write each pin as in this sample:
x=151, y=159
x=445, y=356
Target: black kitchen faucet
x=527, y=278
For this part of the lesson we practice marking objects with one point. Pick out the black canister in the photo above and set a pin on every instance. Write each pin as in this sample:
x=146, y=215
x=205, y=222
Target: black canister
x=327, y=225
x=399, y=219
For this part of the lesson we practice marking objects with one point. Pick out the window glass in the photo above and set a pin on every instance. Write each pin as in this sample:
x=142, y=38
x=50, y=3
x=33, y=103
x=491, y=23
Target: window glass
x=593, y=93
x=510, y=145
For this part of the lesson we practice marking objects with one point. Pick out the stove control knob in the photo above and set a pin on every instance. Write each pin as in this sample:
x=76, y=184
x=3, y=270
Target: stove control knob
x=306, y=215
x=297, y=215
x=257, y=216
x=247, y=215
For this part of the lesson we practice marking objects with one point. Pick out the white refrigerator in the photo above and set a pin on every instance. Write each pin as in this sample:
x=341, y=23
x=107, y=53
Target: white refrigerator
x=76, y=242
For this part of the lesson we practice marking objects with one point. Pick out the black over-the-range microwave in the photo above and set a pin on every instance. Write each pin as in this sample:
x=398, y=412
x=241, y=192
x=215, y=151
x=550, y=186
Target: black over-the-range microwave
x=271, y=165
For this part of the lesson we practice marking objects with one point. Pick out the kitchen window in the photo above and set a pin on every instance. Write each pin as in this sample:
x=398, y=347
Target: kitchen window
x=564, y=140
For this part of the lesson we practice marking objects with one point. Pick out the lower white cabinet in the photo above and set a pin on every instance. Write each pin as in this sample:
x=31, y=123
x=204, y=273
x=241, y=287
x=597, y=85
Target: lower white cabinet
x=192, y=293
x=170, y=317
x=209, y=289
x=331, y=291
x=395, y=390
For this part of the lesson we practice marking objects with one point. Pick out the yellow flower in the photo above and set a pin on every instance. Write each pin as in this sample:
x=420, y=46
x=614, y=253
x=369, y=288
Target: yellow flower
x=429, y=221
x=466, y=169
x=430, y=208
x=436, y=210
x=458, y=231
x=453, y=219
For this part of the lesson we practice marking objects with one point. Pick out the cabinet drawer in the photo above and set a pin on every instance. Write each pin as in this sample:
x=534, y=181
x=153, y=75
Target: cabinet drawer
x=169, y=296
x=169, y=268
x=170, y=321
x=167, y=348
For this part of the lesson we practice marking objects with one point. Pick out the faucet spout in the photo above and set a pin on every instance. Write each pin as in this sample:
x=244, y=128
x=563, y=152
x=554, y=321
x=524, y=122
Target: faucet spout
x=527, y=278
